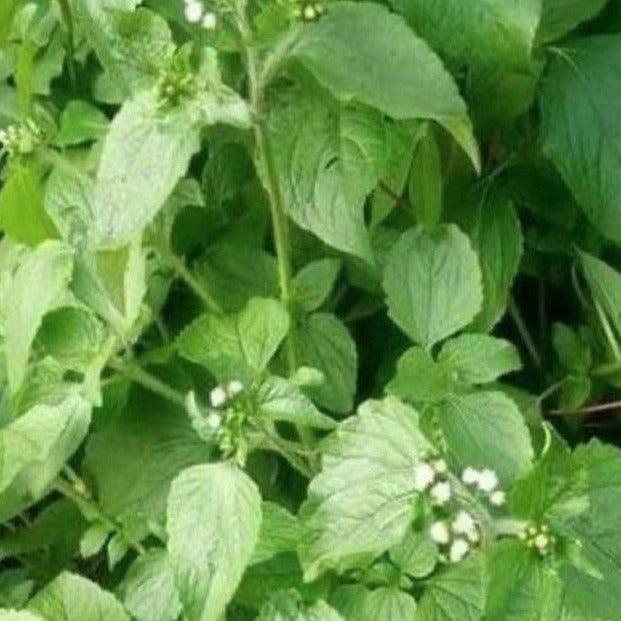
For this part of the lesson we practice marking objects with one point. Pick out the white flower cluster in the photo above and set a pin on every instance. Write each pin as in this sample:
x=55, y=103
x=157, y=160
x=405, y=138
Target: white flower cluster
x=196, y=13
x=538, y=536
x=219, y=397
x=458, y=535
x=309, y=11
x=430, y=476
x=486, y=482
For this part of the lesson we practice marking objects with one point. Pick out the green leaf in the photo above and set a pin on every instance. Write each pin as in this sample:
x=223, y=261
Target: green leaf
x=561, y=16
x=521, y=585
x=425, y=186
x=236, y=346
x=455, y=594
x=8, y=10
x=356, y=603
x=420, y=379
x=280, y=400
x=432, y=283
x=417, y=555
x=361, y=51
x=134, y=458
x=314, y=282
x=72, y=336
x=481, y=32
x=280, y=532
x=81, y=122
x=485, y=430
x=323, y=342
x=38, y=286
x=361, y=503
x=555, y=490
x=148, y=589
x=22, y=216
x=73, y=598
x=478, y=358
x=327, y=158
x=573, y=352
x=132, y=46
x=214, y=517
x=34, y=448
x=234, y=274
x=146, y=152
x=494, y=230
x=605, y=285
x=579, y=129
x=287, y=606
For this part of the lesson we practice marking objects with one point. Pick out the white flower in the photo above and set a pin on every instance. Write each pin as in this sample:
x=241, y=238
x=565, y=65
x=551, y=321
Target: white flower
x=440, y=466
x=309, y=12
x=541, y=542
x=474, y=536
x=470, y=476
x=464, y=524
x=458, y=550
x=210, y=21
x=439, y=533
x=193, y=11
x=213, y=420
x=424, y=476
x=488, y=480
x=498, y=498
x=217, y=397
x=441, y=493
x=234, y=388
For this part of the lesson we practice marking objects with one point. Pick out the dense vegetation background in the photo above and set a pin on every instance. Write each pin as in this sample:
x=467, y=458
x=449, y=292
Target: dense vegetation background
x=310, y=312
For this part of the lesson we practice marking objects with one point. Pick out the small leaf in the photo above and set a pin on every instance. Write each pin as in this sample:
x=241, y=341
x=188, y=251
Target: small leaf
x=81, y=122
x=280, y=400
x=420, y=379
x=314, y=282
x=478, y=358
x=323, y=342
x=432, y=283
x=486, y=429
x=455, y=594
x=281, y=532
x=236, y=346
x=22, y=216
x=214, y=517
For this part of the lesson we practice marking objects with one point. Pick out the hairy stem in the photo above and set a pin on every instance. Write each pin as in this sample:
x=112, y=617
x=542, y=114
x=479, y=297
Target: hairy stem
x=77, y=491
x=522, y=328
x=178, y=265
x=148, y=381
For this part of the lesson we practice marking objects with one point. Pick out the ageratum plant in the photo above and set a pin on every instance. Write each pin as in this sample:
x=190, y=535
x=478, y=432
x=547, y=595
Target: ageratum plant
x=310, y=311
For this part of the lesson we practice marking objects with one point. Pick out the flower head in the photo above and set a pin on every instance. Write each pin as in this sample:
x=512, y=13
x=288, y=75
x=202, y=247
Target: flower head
x=439, y=533
x=488, y=480
x=217, y=397
x=458, y=550
x=441, y=493
x=424, y=476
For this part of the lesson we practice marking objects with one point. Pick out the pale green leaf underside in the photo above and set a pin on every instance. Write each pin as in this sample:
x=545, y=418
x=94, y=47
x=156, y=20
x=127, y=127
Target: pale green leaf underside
x=361, y=502
x=214, y=517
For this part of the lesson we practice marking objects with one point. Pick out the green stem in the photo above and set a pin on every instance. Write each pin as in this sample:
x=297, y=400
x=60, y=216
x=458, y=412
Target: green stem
x=178, y=265
x=522, y=328
x=77, y=492
x=608, y=332
x=65, y=10
x=148, y=381
x=280, y=224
